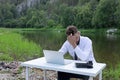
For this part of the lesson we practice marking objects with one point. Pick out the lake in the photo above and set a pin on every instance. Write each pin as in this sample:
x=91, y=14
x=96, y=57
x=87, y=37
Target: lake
x=106, y=47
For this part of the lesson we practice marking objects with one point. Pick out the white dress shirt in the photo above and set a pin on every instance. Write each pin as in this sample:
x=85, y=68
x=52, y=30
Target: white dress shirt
x=83, y=50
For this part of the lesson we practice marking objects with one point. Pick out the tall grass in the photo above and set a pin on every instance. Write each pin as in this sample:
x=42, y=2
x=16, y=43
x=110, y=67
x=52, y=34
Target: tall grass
x=112, y=73
x=14, y=46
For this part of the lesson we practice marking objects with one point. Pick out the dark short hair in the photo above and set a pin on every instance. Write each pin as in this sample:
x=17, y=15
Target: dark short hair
x=71, y=30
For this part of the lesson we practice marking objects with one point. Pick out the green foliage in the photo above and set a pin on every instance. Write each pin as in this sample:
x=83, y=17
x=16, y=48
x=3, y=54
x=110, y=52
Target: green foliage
x=83, y=2
x=112, y=74
x=117, y=14
x=6, y=11
x=49, y=13
x=6, y=57
x=36, y=18
x=67, y=15
x=16, y=47
x=104, y=14
x=6, y=14
x=83, y=16
x=51, y=23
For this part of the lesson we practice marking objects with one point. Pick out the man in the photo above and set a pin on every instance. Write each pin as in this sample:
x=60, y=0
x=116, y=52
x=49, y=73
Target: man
x=79, y=47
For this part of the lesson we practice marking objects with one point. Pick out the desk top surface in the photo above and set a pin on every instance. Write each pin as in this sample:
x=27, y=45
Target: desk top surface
x=42, y=64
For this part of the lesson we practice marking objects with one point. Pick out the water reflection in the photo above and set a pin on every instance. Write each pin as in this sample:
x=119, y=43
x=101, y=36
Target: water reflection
x=111, y=36
x=106, y=47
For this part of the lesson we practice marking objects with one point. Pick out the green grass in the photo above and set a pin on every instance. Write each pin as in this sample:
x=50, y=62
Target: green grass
x=14, y=46
x=112, y=73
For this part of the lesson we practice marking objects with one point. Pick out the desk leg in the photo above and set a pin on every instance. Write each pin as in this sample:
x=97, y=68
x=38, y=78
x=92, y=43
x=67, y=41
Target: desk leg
x=100, y=76
x=91, y=78
x=45, y=74
x=27, y=73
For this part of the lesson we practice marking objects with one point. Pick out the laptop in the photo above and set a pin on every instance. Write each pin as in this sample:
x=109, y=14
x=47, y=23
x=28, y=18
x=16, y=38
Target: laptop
x=55, y=57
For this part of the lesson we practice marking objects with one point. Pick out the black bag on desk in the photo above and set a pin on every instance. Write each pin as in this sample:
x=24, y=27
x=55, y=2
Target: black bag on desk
x=89, y=64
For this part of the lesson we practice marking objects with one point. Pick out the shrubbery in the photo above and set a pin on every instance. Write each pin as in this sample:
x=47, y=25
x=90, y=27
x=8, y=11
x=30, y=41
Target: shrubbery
x=82, y=13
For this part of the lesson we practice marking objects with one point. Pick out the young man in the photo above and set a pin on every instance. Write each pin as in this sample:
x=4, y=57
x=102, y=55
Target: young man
x=79, y=47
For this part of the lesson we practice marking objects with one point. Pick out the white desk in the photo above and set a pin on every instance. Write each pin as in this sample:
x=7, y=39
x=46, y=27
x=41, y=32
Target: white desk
x=41, y=63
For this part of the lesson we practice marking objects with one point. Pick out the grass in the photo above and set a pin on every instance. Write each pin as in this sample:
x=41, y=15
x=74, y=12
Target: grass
x=14, y=46
x=112, y=73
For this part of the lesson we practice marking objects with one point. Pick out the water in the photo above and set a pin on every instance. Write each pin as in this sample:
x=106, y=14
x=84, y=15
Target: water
x=105, y=46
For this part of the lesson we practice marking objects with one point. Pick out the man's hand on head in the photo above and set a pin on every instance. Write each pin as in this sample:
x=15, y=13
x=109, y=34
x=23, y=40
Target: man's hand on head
x=72, y=40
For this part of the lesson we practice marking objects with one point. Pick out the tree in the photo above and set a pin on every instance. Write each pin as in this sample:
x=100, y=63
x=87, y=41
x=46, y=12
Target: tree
x=83, y=2
x=104, y=14
x=83, y=16
x=67, y=16
x=36, y=18
x=69, y=2
x=6, y=14
x=64, y=15
x=117, y=14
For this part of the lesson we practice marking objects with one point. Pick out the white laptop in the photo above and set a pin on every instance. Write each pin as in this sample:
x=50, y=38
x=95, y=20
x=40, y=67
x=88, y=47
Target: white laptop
x=55, y=57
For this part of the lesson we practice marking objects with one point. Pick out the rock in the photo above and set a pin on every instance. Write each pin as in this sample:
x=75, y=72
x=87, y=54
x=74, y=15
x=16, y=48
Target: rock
x=10, y=71
x=111, y=31
x=0, y=68
x=13, y=65
x=2, y=63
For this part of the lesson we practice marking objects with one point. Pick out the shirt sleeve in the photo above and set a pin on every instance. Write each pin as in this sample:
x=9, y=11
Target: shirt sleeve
x=63, y=49
x=84, y=53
